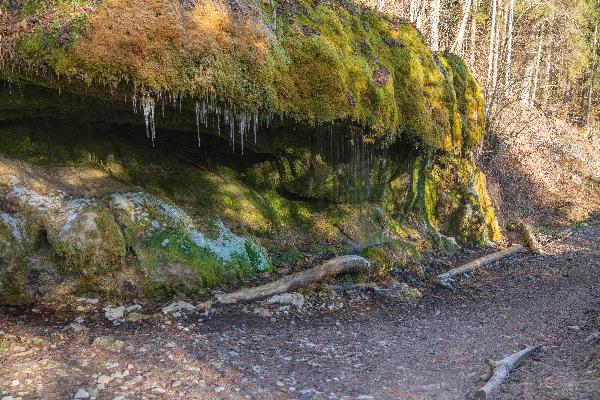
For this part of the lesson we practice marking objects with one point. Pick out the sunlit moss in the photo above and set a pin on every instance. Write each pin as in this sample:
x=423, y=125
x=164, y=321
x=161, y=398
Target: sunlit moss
x=315, y=62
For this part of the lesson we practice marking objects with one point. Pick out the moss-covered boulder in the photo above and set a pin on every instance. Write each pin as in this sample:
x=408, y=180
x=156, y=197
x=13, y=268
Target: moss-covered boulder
x=85, y=237
x=308, y=61
x=13, y=270
x=173, y=254
x=321, y=125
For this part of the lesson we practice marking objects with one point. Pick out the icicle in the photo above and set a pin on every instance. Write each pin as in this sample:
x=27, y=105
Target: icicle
x=198, y=122
x=134, y=103
x=148, y=106
x=255, y=124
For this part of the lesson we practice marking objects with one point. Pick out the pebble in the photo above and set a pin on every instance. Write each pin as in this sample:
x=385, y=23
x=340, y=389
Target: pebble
x=14, y=382
x=219, y=389
x=104, y=379
x=364, y=397
x=81, y=394
x=178, y=306
x=295, y=299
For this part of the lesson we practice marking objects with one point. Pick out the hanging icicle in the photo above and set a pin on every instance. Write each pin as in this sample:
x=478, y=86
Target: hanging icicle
x=148, y=106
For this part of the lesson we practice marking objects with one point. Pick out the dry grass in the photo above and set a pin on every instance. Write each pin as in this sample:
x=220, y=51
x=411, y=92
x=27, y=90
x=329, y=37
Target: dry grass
x=542, y=169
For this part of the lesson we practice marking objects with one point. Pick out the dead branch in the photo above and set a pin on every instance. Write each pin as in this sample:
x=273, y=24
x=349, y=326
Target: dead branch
x=335, y=266
x=500, y=370
x=446, y=277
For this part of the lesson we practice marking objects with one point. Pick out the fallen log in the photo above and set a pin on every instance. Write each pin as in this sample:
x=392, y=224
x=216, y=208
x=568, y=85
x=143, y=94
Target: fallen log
x=335, y=266
x=446, y=277
x=500, y=370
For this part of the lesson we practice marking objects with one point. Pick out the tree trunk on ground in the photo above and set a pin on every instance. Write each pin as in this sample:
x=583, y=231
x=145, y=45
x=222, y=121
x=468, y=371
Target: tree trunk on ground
x=335, y=266
x=446, y=277
x=500, y=371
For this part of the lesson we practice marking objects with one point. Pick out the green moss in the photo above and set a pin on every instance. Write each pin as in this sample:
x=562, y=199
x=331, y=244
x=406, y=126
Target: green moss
x=13, y=270
x=90, y=246
x=382, y=263
x=316, y=62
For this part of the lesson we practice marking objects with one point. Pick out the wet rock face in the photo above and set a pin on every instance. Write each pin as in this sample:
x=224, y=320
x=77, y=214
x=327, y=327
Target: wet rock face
x=92, y=238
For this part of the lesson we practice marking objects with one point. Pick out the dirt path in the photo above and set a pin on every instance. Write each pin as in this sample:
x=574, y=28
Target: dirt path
x=350, y=346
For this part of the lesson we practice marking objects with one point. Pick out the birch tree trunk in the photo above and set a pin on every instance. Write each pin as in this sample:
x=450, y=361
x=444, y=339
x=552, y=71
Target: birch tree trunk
x=473, y=36
x=511, y=13
x=496, y=60
x=527, y=83
x=435, y=25
x=420, y=15
x=458, y=45
x=492, y=44
x=592, y=77
x=547, y=81
x=536, y=73
x=413, y=10
x=380, y=5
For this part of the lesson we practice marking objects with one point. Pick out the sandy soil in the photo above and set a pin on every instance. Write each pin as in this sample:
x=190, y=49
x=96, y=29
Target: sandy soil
x=350, y=345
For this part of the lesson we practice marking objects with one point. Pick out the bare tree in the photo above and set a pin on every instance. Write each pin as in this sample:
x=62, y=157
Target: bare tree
x=435, y=25
x=492, y=43
x=473, y=35
x=458, y=45
x=536, y=73
x=511, y=13
x=592, y=76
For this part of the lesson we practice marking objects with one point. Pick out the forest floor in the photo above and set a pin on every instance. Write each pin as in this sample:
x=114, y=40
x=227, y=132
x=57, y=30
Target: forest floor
x=349, y=345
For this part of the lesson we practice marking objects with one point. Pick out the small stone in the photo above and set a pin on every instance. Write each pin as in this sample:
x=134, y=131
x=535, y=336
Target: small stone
x=593, y=338
x=81, y=394
x=218, y=389
x=7, y=398
x=279, y=384
x=76, y=327
x=87, y=300
x=575, y=328
x=108, y=344
x=15, y=382
x=263, y=312
x=104, y=379
x=364, y=397
x=165, y=243
x=178, y=306
x=136, y=317
x=295, y=299
x=114, y=313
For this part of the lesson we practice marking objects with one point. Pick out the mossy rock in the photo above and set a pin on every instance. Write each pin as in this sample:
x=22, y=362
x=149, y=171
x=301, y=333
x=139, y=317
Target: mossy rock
x=173, y=254
x=87, y=240
x=307, y=61
x=13, y=269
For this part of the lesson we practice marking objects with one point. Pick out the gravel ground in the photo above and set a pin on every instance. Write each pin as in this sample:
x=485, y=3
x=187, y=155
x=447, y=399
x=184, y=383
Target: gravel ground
x=349, y=345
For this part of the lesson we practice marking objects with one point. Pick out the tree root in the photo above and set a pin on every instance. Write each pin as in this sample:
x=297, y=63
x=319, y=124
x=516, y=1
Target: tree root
x=500, y=371
x=335, y=266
